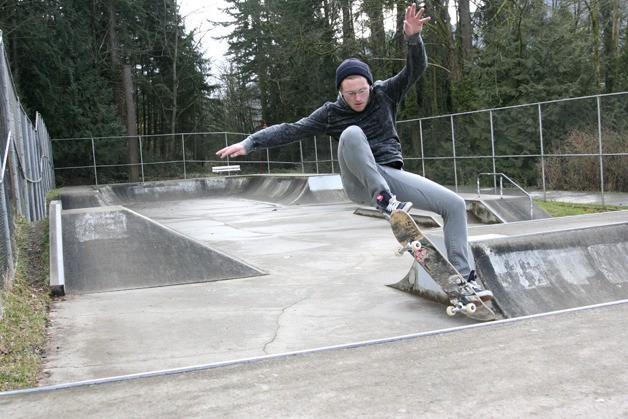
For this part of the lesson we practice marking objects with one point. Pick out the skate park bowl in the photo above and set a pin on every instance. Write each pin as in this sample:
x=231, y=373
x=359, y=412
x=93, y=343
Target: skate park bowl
x=532, y=266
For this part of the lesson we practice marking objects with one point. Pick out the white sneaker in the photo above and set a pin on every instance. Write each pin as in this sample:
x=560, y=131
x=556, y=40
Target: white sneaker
x=388, y=203
x=485, y=295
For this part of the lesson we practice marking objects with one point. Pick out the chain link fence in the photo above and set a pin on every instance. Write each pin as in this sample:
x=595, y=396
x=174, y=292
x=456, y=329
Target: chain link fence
x=27, y=166
x=571, y=144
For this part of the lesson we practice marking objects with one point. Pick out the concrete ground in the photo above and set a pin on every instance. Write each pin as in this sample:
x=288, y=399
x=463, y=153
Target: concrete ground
x=569, y=365
x=319, y=335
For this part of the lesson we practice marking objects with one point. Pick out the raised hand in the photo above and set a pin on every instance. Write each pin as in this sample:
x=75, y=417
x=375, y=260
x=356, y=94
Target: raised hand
x=413, y=22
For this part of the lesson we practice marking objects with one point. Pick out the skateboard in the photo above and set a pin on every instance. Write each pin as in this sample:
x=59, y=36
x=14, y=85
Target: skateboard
x=463, y=298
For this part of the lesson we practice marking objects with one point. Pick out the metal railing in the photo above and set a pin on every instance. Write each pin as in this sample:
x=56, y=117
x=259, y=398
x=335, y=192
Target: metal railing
x=501, y=188
x=524, y=141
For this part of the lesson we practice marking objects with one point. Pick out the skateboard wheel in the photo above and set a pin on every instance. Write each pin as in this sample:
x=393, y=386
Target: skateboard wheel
x=399, y=251
x=451, y=311
x=415, y=245
x=471, y=308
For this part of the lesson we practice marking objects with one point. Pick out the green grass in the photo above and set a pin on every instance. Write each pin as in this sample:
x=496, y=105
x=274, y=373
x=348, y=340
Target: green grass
x=25, y=301
x=563, y=209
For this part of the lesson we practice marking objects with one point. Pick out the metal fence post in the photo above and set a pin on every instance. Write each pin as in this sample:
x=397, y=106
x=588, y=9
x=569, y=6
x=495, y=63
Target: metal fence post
x=542, y=152
x=490, y=114
x=94, y=162
x=331, y=154
x=8, y=249
x=185, y=172
x=139, y=141
x=453, y=144
x=302, y=160
x=422, y=151
x=599, y=135
x=316, y=153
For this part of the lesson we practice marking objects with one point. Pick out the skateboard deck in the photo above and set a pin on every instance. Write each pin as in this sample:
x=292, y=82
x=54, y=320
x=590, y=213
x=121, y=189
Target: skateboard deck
x=463, y=298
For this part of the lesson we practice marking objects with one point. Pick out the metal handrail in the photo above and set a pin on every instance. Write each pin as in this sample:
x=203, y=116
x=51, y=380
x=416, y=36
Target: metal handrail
x=5, y=157
x=501, y=188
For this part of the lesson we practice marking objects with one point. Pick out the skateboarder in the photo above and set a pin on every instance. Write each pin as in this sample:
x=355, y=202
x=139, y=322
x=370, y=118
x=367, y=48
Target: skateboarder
x=363, y=119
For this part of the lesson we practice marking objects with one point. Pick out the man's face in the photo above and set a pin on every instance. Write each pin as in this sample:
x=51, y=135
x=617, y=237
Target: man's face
x=355, y=90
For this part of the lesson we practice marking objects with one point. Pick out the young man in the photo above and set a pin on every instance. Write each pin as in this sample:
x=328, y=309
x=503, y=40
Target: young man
x=363, y=119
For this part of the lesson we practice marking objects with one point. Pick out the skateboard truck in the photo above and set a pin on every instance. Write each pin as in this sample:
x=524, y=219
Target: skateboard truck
x=469, y=308
x=410, y=247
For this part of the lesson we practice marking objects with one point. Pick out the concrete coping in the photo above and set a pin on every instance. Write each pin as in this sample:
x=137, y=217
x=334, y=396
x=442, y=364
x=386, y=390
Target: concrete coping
x=57, y=273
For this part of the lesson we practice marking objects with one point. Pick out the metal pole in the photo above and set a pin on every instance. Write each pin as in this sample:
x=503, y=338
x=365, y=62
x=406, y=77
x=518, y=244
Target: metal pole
x=493, y=149
x=542, y=152
x=94, y=161
x=599, y=135
x=227, y=145
x=331, y=154
x=185, y=173
x=139, y=140
x=301, y=151
x=316, y=154
x=453, y=143
x=5, y=212
x=421, y=141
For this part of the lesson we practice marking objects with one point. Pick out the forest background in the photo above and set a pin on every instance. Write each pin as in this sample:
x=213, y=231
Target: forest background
x=102, y=68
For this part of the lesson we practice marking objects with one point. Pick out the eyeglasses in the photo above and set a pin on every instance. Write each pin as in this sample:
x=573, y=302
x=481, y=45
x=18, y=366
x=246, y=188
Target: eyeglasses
x=354, y=94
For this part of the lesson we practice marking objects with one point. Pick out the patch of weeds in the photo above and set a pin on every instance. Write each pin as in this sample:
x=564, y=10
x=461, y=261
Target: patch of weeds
x=25, y=302
x=563, y=209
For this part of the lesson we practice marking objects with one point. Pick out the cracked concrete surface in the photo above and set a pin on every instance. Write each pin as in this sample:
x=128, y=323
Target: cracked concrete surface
x=327, y=271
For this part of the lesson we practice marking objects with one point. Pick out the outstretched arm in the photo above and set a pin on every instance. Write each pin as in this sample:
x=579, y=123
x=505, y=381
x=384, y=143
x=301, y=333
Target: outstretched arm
x=413, y=23
x=279, y=134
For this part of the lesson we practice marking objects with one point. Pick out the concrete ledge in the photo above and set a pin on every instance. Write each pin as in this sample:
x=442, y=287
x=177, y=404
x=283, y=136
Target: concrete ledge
x=57, y=274
x=556, y=266
x=537, y=273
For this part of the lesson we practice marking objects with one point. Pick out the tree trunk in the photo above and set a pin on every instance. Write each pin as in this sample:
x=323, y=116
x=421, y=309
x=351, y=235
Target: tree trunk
x=348, y=33
x=466, y=36
x=131, y=124
x=375, y=14
x=175, y=81
x=610, y=12
x=594, y=9
x=123, y=92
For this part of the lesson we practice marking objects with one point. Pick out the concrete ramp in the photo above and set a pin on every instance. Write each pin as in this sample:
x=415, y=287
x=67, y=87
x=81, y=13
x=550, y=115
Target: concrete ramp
x=283, y=190
x=505, y=209
x=538, y=273
x=109, y=247
x=113, y=248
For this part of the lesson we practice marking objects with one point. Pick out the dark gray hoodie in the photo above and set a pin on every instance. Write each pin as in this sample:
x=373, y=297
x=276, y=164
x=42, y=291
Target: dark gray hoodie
x=378, y=120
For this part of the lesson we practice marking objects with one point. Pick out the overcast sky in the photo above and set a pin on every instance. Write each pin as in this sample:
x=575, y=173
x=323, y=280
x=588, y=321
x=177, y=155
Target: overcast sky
x=195, y=14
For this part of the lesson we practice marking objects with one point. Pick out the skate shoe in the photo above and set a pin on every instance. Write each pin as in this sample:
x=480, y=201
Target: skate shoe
x=485, y=295
x=388, y=203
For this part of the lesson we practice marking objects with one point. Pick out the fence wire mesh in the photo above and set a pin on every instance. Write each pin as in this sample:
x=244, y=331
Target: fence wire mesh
x=27, y=172
x=571, y=144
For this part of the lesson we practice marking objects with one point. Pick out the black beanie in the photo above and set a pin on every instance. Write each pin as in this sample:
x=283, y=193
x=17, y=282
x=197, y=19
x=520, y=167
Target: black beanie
x=351, y=67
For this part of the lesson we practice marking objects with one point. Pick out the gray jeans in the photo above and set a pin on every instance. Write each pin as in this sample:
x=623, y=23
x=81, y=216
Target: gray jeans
x=363, y=179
